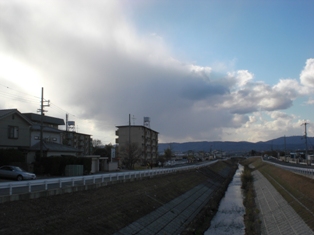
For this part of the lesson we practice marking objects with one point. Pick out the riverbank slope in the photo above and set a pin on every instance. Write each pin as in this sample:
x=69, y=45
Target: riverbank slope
x=108, y=209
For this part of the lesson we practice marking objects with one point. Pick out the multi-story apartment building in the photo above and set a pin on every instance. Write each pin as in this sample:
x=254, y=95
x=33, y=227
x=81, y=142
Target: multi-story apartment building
x=145, y=138
x=82, y=142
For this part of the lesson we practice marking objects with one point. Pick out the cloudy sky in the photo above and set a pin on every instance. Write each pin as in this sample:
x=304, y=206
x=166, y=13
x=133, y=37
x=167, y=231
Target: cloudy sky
x=201, y=70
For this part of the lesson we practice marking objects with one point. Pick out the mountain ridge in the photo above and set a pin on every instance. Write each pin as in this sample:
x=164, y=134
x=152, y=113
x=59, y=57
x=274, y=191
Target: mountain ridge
x=289, y=143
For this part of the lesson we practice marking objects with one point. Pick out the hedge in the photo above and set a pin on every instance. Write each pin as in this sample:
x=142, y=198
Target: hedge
x=55, y=165
x=10, y=156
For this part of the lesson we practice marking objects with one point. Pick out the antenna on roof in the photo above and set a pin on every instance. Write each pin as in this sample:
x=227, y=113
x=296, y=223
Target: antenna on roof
x=146, y=122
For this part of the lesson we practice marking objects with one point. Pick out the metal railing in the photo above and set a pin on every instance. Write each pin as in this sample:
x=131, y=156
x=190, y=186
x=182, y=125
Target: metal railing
x=299, y=170
x=54, y=183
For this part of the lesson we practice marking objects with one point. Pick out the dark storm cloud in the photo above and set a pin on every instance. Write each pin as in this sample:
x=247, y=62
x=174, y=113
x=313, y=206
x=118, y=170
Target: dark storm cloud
x=202, y=90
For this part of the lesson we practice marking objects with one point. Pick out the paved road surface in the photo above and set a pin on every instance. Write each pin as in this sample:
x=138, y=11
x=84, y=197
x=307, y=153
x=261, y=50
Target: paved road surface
x=277, y=216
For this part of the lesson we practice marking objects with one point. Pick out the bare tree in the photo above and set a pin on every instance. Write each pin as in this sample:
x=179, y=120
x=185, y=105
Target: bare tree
x=130, y=154
x=96, y=143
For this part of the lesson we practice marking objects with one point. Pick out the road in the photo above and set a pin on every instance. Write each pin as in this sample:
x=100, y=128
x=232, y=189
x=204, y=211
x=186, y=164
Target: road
x=115, y=176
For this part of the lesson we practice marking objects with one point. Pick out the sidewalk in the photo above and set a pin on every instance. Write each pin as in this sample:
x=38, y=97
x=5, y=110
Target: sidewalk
x=276, y=215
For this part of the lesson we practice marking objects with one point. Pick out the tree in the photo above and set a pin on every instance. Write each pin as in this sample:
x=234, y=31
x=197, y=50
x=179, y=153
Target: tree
x=96, y=143
x=130, y=154
x=168, y=153
x=104, y=151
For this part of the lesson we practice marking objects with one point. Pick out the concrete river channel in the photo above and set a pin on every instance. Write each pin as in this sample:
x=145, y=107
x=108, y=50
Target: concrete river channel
x=229, y=217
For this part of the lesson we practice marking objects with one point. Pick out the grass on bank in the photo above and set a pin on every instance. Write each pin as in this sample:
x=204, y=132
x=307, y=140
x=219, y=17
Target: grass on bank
x=251, y=217
x=297, y=190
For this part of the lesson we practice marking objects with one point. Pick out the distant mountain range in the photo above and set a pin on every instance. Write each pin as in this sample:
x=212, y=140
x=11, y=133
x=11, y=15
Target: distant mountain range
x=291, y=143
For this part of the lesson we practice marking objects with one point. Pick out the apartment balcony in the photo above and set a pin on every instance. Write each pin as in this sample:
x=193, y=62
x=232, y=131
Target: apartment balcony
x=117, y=140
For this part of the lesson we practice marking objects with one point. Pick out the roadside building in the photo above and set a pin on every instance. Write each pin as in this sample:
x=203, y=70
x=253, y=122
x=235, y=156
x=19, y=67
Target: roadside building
x=52, y=137
x=143, y=137
x=80, y=141
x=15, y=129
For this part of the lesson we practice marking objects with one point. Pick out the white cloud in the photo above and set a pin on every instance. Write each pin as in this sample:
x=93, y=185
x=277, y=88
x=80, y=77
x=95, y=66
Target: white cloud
x=307, y=74
x=281, y=115
x=242, y=77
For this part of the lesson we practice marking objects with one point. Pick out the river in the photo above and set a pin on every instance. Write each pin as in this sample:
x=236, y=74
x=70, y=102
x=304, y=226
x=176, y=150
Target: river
x=229, y=217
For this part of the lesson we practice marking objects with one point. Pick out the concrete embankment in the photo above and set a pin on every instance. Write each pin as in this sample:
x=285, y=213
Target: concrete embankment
x=179, y=216
x=277, y=216
x=109, y=209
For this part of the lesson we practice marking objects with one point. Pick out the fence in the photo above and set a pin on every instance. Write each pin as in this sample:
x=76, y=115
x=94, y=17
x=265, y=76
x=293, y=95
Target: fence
x=298, y=170
x=10, y=188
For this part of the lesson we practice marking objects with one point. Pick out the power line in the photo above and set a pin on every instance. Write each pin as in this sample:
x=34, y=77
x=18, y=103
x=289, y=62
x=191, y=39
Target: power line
x=20, y=91
x=30, y=99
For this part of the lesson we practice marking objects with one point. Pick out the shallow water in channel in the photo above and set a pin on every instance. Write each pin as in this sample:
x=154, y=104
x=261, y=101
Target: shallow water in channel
x=229, y=217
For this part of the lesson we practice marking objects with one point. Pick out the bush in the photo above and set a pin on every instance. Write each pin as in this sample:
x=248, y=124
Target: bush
x=246, y=178
x=252, y=223
x=9, y=156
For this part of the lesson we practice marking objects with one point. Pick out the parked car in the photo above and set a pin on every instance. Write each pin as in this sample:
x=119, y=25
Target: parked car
x=15, y=172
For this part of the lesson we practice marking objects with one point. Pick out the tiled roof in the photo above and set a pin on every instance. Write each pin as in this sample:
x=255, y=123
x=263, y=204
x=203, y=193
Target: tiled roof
x=53, y=147
x=6, y=112
x=46, y=119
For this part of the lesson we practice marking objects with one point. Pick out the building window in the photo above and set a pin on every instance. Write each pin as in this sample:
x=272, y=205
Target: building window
x=13, y=132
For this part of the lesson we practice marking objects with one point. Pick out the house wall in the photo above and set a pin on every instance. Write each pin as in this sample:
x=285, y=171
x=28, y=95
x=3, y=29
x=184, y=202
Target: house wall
x=23, y=139
x=48, y=136
x=31, y=156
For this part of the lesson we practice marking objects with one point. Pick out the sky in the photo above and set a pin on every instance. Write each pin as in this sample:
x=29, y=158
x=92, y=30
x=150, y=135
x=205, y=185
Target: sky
x=203, y=70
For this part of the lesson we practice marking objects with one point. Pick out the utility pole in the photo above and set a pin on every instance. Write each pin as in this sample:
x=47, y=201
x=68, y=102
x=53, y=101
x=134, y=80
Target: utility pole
x=129, y=138
x=66, y=122
x=41, y=110
x=305, y=136
x=285, y=149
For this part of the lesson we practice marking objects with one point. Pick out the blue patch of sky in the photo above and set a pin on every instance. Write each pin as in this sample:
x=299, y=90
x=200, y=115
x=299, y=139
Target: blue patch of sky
x=301, y=109
x=271, y=39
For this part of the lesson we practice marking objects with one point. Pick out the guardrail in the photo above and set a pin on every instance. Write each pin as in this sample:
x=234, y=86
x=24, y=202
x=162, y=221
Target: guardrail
x=299, y=170
x=90, y=179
